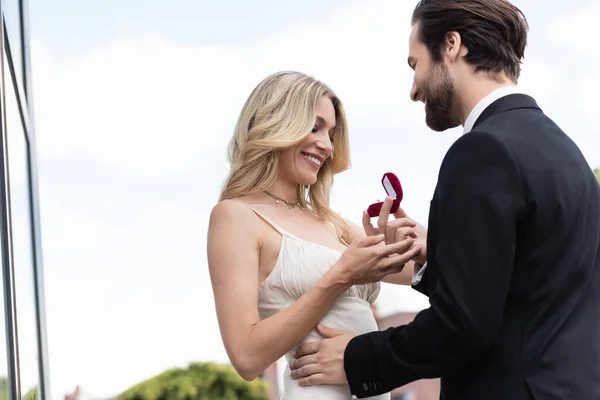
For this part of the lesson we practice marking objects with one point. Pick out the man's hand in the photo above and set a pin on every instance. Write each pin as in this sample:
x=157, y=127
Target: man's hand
x=394, y=231
x=399, y=229
x=322, y=362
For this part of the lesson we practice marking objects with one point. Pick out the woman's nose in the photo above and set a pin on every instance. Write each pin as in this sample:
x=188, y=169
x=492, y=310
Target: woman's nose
x=325, y=145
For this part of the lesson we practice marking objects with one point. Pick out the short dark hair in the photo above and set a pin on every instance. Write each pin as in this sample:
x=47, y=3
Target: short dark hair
x=493, y=31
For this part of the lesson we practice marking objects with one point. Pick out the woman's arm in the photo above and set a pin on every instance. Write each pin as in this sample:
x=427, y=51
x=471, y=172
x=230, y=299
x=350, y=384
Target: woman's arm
x=400, y=278
x=233, y=258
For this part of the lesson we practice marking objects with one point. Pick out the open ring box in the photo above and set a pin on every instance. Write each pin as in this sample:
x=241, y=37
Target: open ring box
x=393, y=188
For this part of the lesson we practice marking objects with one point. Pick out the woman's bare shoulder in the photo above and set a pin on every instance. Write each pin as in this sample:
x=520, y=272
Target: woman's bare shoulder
x=235, y=207
x=233, y=212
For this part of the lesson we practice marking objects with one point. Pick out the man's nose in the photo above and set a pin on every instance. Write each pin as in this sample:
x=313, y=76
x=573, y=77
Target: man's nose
x=414, y=93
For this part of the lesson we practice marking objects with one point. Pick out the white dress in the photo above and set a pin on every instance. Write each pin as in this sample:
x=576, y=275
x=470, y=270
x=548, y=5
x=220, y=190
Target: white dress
x=299, y=266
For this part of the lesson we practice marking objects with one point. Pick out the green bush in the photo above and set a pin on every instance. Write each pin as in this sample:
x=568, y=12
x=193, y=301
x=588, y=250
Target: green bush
x=3, y=388
x=32, y=394
x=199, y=381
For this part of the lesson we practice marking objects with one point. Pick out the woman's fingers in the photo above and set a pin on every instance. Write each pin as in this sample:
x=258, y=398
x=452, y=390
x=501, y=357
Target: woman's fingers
x=395, y=263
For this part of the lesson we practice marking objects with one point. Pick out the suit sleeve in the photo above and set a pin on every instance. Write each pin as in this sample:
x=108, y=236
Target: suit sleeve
x=479, y=202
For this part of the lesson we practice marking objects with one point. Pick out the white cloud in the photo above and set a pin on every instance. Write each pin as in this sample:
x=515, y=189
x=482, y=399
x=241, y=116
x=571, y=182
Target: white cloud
x=140, y=125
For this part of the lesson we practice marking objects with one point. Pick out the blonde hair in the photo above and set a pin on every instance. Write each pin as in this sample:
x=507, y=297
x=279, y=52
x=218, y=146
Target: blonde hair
x=280, y=112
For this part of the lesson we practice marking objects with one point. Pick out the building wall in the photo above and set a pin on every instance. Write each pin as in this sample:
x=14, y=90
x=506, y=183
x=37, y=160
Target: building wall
x=23, y=353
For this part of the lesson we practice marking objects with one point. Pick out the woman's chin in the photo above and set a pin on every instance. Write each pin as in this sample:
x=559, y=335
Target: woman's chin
x=307, y=179
x=305, y=176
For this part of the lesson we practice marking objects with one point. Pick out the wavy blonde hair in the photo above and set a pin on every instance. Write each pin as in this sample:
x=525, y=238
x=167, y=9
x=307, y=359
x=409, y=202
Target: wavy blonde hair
x=280, y=112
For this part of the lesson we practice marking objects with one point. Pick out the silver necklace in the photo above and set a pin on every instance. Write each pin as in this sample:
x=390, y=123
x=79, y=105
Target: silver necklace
x=290, y=204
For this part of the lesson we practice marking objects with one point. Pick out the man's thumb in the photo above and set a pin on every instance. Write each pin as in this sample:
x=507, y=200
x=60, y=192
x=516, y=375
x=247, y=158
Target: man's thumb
x=400, y=213
x=327, y=332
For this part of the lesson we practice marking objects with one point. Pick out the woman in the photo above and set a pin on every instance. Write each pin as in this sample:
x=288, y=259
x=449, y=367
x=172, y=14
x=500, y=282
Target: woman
x=273, y=240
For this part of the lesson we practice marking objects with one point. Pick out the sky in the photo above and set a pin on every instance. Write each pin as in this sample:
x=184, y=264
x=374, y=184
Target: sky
x=135, y=103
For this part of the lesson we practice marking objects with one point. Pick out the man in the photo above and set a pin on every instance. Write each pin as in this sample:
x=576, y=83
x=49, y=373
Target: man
x=513, y=246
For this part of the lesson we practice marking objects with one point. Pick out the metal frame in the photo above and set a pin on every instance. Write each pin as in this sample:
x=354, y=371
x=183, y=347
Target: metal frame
x=8, y=273
x=23, y=95
x=34, y=209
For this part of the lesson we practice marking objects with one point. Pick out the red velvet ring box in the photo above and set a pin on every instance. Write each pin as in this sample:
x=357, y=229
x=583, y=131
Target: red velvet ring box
x=393, y=188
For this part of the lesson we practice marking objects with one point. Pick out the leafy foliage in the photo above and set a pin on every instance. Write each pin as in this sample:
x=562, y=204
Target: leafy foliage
x=32, y=394
x=597, y=173
x=3, y=388
x=199, y=381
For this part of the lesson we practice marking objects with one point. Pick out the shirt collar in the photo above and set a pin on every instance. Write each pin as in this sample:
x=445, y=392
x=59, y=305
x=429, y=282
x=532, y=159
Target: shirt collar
x=485, y=102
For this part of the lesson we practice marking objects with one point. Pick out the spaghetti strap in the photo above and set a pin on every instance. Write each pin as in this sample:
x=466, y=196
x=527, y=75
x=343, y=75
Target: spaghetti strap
x=267, y=220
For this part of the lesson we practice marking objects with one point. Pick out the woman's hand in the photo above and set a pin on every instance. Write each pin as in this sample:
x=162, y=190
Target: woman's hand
x=368, y=260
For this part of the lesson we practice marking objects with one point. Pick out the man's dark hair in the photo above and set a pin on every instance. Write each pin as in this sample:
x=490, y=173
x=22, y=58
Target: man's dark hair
x=493, y=31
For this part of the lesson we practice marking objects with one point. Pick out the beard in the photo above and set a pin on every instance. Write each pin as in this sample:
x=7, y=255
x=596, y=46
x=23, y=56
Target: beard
x=440, y=96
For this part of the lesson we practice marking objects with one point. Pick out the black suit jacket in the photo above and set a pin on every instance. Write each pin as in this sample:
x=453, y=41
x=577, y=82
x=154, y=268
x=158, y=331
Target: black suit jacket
x=513, y=274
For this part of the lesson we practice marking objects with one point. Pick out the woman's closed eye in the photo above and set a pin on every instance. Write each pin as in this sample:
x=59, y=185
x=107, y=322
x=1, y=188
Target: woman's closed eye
x=316, y=128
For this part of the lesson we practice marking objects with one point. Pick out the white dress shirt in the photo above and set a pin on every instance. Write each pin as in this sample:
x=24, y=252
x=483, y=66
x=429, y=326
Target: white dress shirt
x=469, y=122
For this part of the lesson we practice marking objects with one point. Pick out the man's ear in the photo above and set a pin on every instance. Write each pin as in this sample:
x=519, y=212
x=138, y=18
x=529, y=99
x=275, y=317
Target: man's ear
x=453, y=46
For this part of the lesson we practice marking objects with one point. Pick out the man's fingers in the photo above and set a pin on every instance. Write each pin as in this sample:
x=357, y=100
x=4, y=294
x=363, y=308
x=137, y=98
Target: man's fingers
x=327, y=332
x=402, y=233
x=301, y=362
x=396, y=227
x=306, y=349
x=400, y=213
x=317, y=379
x=402, y=222
x=305, y=371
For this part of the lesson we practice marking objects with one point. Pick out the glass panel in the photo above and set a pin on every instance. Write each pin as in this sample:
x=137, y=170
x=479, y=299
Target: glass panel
x=22, y=243
x=12, y=19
